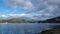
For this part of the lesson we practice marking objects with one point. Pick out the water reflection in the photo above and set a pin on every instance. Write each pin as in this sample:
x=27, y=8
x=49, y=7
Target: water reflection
x=25, y=28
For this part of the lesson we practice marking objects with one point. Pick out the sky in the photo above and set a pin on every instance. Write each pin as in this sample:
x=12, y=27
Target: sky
x=38, y=9
x=4, y=9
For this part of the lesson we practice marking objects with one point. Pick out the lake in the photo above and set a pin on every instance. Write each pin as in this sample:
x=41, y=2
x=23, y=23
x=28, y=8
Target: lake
x=25, y=28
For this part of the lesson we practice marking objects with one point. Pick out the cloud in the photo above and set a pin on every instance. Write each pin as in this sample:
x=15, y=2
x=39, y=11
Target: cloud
x=3, y=16
x=55, y=1
x=24, y=4
x=33, y=5
x=45, y=9
x=29, y=16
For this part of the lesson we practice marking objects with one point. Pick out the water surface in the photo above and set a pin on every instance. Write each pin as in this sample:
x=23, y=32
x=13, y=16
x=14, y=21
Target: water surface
x=25, y=28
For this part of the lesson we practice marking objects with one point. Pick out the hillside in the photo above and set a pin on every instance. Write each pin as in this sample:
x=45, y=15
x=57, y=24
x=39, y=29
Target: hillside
x=17, y=20
x=14, y=20
x=53, y=20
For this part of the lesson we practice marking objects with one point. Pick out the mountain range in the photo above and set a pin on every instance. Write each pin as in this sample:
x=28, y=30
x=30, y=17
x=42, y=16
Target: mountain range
x=27, y=20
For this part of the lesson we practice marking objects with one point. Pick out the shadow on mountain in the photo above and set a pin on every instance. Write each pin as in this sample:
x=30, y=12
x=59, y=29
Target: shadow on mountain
x=52, y=31
x=15, y=20
x=53, y=20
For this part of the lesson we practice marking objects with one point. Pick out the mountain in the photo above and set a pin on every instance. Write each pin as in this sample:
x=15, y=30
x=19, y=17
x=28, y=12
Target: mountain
x=27, y=20
x=30, y=17
x=14, y=20
x=52, y=20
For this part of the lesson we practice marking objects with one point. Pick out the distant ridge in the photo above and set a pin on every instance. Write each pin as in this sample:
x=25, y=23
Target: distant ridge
x=53, y=20
x=19, y=20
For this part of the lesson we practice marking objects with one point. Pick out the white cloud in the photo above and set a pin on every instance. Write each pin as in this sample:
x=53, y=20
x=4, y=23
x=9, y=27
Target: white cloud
x=46, y=8
x=32, y=5
x=55, y=1
x=3, y=16
x=24, y=4
x=13, y=15
x=30, y=16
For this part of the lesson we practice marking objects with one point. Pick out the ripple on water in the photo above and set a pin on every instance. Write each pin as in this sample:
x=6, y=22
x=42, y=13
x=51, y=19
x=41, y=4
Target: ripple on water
x=25, y=28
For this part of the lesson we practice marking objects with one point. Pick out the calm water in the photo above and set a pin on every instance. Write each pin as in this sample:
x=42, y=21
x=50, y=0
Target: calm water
x=25, y=28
